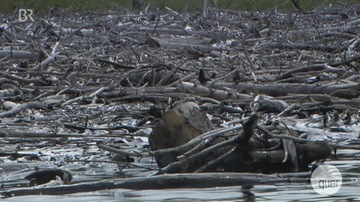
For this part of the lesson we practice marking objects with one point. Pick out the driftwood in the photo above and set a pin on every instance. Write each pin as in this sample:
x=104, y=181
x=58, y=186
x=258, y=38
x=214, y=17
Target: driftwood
x=315, y=67
x=22, y=80
x=208, y=92
x=49, y=60
x=85, y=83
x=18, y=108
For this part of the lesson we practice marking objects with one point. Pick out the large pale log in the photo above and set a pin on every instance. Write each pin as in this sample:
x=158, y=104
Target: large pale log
x=210, y=92
x=281, y=89
x=17, y=54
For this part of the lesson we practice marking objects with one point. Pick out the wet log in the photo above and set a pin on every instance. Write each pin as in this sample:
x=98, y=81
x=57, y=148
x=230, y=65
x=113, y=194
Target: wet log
x=169, y=181
x=248, y=156
x=273, y=160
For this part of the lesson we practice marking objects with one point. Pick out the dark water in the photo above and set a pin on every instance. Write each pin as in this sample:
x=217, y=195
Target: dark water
x=12, y=175
x=348, y=192
x=348, y=163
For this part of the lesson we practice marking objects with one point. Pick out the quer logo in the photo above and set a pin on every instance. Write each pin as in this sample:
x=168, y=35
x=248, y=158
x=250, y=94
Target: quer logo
x=25, y=14
x=326, y=180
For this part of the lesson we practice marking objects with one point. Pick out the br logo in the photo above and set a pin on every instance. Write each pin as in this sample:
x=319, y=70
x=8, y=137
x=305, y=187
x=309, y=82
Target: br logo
x=25, y=14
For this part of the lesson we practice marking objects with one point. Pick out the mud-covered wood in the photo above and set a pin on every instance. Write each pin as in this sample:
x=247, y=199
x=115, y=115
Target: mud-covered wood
x=179, y=125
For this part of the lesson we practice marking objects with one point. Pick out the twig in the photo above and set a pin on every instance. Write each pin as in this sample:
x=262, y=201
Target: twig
x=118, y=151
x=247, y=56
x=115, y=162
x=92, y=95
x=269, y=134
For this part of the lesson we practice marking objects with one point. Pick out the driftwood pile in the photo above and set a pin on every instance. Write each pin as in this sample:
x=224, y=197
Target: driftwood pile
x=76, y=79
x=183, y=143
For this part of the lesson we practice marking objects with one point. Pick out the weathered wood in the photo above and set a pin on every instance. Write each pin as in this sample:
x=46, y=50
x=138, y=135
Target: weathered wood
x=18, y=108
x=315, y=67
x=17, y=54
x=22, y=80
x=49, y=60
x=210, y=92
x=282, y=89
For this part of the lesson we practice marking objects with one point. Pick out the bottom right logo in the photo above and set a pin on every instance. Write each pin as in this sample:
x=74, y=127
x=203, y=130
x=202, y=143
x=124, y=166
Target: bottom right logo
x=326, y=180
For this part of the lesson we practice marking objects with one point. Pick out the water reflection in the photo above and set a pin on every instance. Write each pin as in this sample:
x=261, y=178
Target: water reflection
x=350, y=170
x=259, y=193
